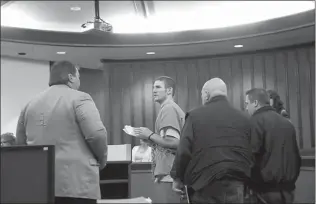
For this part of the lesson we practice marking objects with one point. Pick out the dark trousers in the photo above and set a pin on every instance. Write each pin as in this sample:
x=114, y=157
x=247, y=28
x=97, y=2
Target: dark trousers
x=221, y=191
x=68, y=200
x=277, y=197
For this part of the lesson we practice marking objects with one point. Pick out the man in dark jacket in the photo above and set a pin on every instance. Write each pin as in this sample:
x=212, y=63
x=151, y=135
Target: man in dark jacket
x=275, y=148
x=214, y=157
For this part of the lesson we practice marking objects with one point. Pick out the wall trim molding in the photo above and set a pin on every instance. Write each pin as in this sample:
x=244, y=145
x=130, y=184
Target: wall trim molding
x=233, y=54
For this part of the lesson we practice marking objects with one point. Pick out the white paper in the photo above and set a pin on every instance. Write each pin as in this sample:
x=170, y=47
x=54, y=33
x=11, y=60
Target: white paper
x=130, y=200
x=129, y=130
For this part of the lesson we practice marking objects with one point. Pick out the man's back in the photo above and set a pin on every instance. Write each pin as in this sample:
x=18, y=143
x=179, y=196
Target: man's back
x=69, y=120
x=277, y=155
x=221, y=144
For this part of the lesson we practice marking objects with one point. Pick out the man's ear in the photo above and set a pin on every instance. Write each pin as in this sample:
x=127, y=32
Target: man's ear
x=208, y=96
x=169, y=90
x=256, y=103
x=70, y=77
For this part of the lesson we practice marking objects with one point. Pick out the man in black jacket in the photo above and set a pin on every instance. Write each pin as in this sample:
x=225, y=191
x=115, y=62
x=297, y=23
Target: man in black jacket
x=275, y=148
x=214, y=157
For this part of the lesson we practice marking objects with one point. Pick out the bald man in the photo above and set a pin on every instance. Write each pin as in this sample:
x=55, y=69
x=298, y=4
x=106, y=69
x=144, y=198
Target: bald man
x=214, y=157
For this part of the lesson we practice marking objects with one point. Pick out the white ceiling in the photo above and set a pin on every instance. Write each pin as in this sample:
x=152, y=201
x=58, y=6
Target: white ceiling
x=56, y=15
x=157, y=16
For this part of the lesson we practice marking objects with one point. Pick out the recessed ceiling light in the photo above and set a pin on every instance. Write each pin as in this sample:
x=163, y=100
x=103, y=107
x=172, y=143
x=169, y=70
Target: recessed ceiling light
x=61, y=53
x=75, y=8
x=238, y=46
x=21, y=53
x=150, y=53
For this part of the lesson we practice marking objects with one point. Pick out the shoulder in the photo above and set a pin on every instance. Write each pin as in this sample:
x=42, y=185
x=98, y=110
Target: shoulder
x=172, y=109
x=168, y=107
x=79, y=95
x=196, y=111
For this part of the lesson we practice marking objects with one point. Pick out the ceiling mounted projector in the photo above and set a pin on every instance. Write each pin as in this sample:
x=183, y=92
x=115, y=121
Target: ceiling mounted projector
x=98, y=25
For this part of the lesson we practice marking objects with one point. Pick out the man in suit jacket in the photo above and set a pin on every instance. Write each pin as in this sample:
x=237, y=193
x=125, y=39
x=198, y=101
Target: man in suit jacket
x=67, y=118
x=214, y=156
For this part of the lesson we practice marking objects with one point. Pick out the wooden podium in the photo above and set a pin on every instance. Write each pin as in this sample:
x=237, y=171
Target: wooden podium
x=142, y=183
x=115, y=177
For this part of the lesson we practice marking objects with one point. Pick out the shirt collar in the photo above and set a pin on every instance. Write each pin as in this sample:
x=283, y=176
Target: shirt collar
x=217, y=98
x=263, y=109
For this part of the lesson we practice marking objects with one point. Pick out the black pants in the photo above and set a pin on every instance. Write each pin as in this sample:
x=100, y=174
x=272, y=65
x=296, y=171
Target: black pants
x=68, y=200
x=222, y=191
x=277, y=197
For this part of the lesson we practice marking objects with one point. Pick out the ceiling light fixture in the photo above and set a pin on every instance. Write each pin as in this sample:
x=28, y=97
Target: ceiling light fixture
x=61, y=53
x=238, y=46
x=21, y=53
x=75, y=8
x=150, y=53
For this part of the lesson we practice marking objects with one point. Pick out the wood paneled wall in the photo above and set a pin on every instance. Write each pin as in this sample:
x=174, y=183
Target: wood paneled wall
x=123, y=90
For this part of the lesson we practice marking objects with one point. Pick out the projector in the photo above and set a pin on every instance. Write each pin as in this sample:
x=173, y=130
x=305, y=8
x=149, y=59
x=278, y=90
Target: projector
x=97, y=27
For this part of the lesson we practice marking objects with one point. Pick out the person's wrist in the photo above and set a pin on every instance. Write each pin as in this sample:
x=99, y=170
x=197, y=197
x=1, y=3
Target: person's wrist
x=149, y=137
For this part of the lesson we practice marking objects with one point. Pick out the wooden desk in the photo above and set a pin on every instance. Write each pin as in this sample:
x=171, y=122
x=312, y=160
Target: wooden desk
x=141, y=178
x=115, y=180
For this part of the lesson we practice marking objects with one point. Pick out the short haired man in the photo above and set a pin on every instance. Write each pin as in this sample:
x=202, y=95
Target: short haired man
x=214, y=157
x=274, y=146
x=67, y=118
x=165, y=139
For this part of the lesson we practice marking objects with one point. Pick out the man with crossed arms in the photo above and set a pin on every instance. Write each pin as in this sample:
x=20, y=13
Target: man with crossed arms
x=165, y=139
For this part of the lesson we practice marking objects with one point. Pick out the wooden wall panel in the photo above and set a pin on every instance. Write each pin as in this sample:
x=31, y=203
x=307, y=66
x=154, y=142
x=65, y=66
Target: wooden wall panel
x=294, y=99
x=128, y=87
x=248, y=80
x=311, y=60
x=304, y=90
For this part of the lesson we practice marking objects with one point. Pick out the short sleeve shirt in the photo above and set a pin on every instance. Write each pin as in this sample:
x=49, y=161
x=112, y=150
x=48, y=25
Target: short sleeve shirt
x=169, y=116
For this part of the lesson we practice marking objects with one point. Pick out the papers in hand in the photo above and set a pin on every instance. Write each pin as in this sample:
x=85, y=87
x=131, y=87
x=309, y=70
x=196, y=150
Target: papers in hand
x=129, y=130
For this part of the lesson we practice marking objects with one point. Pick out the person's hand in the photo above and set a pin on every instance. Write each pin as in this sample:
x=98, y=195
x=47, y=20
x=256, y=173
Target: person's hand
x=178, y=187
x=142, y=133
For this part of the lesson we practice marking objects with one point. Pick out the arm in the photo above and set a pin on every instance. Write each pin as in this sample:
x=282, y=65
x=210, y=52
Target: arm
x=169, y=138
x=170, y=128
x=257, y=143
x=184, y=151
x=90, y=123
x=257, y=135
x=20, y=129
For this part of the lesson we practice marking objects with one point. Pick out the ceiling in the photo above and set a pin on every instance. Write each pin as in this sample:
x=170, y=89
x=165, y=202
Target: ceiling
x=145, y=16
x=60, y=32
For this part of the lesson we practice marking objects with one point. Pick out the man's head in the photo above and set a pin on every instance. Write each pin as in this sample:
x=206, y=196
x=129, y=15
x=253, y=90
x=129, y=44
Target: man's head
x=65, y=72
x=164, y=88
x=7, y=139
x=213, y=87
x=255, y=99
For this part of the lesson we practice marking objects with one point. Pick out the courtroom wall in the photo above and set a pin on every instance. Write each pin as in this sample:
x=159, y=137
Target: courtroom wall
x=21, y=79
x=123, y=90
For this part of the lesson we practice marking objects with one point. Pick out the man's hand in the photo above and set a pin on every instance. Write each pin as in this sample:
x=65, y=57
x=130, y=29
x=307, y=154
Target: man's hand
x=178, y=187
x=142, y=133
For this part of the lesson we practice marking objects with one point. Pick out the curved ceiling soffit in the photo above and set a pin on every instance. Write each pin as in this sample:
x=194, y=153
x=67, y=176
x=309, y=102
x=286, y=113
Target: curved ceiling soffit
x=270, y=27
